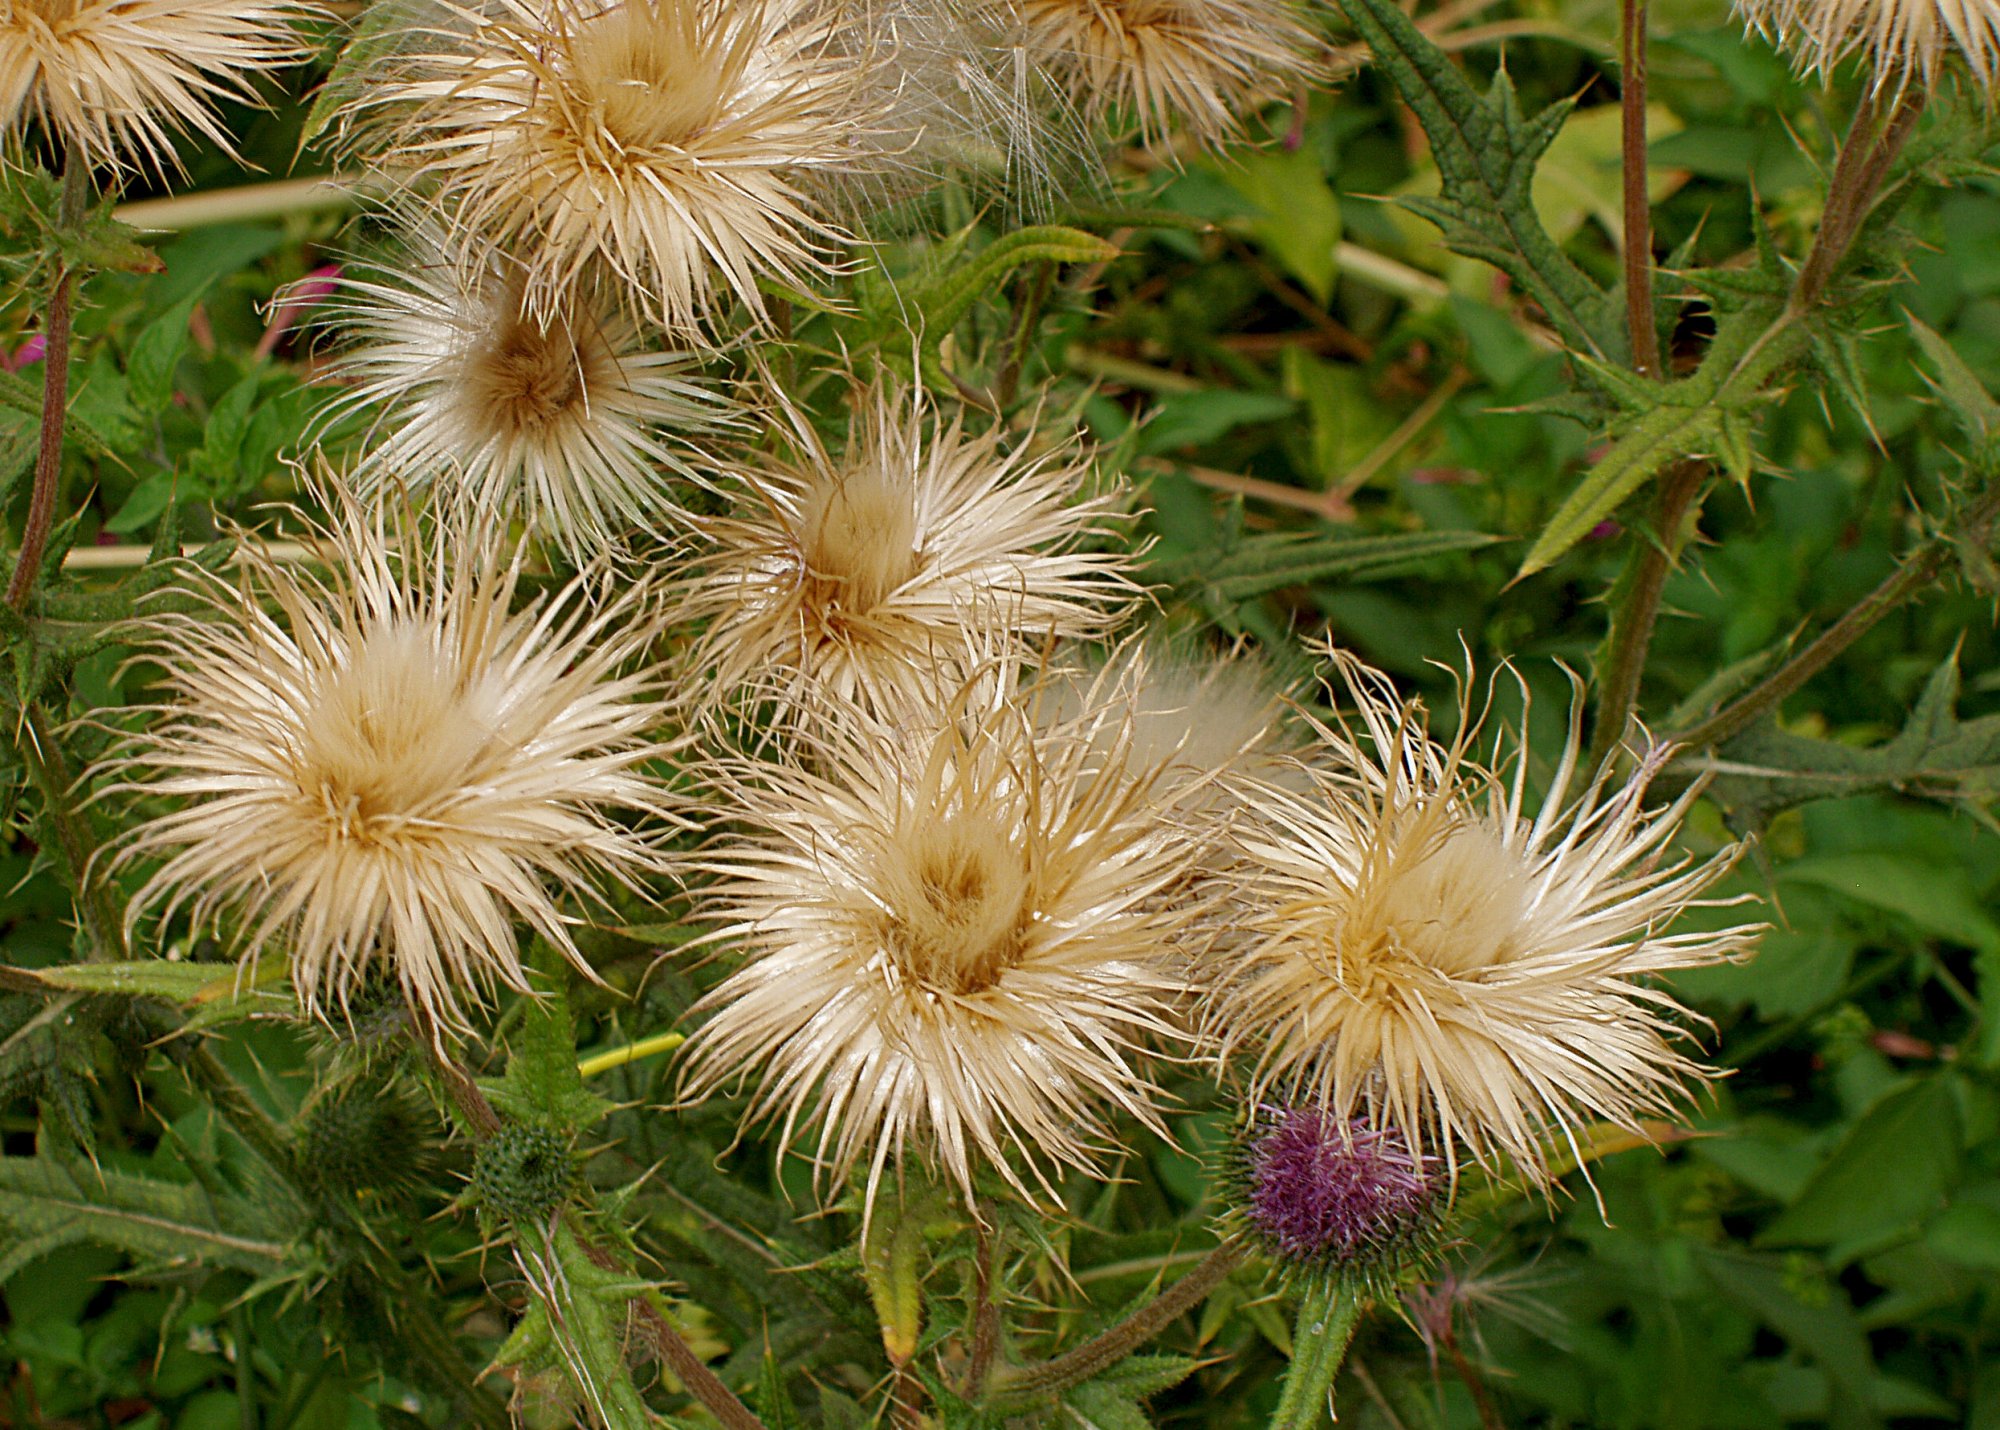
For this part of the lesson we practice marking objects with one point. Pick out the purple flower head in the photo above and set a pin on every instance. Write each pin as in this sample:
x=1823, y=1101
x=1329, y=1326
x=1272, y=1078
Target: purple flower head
x=1322, y=1190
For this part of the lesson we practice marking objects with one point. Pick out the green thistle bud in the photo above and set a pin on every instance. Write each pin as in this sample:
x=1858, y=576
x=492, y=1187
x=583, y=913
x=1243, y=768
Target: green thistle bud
x=368, y=1135
x=524, y=1172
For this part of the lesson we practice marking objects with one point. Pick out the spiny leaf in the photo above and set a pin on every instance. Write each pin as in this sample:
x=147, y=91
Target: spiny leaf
x=1935, y=756
x=1269, y=563
x=1703, y=415
x=1486, y=151
x=1957, y=386
x=53, y=1202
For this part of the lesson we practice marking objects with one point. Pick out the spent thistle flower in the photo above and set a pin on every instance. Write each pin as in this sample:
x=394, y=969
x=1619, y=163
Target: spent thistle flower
x=1411, y=945
x=1194, y=65
x=568, y=421
x=851, y=577
x=1327, y=1195
x=954, y=949
x=1901, y=41
x=119, y=80
x=672, y=141
x=389, y=765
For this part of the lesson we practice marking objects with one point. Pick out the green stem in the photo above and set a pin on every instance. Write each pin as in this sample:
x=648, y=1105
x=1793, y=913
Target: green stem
x=55, y=394
x=1631, y=635
x=75, y=842
x=1328, y=1313
x=1873, y=141
x=1106, y=1350
x=631, y=1053
x=1914, y=574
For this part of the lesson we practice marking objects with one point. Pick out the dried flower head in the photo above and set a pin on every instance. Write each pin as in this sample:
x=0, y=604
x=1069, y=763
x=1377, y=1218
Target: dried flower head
x=568, y=422
x=1413, y=946
x=1325, y=1194
x=1899, y=40
x=120, y=80
x=852, y=577
x=674, y=141
x=396, y=767
x=1194, y=65
x=954, y=949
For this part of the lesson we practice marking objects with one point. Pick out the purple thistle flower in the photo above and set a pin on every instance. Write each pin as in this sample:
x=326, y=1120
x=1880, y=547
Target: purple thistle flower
x=1323, y=1190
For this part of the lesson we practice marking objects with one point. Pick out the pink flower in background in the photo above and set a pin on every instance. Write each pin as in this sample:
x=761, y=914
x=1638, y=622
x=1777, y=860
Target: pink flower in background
x=297, y=300
x=26, y=355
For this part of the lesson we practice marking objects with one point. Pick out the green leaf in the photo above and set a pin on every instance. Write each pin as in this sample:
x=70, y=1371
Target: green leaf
x=1486, y=151
x=541, y=1084
x=1822, y=1325
x=228, y=421
x=156, y=353
x=1892, y=1170
x=1268, y=563
x=1967, y=1234
x=1194, y=419
x=48, y=1203
x=1957, y=386
x=1301, y=223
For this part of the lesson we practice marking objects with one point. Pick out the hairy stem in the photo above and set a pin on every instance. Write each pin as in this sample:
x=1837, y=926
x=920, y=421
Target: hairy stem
x=985, y=1314
x=1631, y=635
x=1329, y=1312
x=1103, y=1351
x=1638, y=254
x=688, y=1368
x=55, y=395
x=75, y=841
x=1027, y=316
x=1912, y=575
x=1873, y=141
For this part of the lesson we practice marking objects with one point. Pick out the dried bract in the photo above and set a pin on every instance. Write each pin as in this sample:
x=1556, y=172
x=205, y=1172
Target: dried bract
x=673, y=141
x=1416, y=948
x=853, y=577
x=570, y=423
x=1198, y=66
x=1900, y=41
x=389, y=765
x=954, y=948
x=117, y=81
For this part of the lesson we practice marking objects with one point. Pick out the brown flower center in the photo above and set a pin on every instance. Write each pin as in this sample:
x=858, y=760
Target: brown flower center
x=959, y=921
x=858, y=535
x=651, y=73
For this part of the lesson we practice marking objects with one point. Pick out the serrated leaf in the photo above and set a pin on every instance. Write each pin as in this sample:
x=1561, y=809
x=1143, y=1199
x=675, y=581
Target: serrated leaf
x=1269, y=563
x=1934, y=756
x=63, y=1203
x=1486, y=151
x=541, y=1084
x=1956, y=385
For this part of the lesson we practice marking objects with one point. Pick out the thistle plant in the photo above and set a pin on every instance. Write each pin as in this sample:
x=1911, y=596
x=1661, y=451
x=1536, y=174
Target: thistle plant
x=769, y=712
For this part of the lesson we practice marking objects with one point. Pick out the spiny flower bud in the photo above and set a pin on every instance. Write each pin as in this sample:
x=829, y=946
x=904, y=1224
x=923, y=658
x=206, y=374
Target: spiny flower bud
x=1322, y=1194
x=523, y=1172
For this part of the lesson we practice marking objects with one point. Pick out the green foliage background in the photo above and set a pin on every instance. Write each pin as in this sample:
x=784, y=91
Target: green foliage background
x=1826, y=1251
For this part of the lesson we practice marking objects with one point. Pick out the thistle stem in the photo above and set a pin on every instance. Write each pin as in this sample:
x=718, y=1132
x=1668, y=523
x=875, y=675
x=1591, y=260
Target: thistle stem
x=1075, y=1367
x=1631, y=634
x=1638, y=250
x=1915, y=572
x=1329, y=1311
x=630, y=1053
x=75, y=843
x=1873, y=141
x=55, y=394
x=985, y=1314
